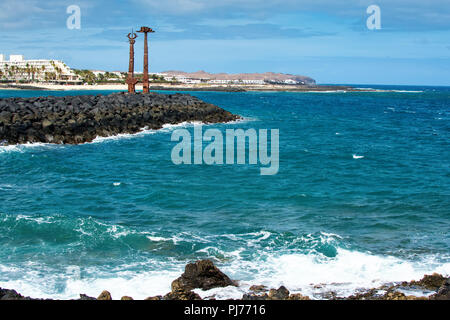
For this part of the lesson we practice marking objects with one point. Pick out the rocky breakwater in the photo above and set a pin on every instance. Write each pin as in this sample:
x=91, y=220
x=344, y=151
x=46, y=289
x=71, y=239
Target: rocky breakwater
x=80, y=119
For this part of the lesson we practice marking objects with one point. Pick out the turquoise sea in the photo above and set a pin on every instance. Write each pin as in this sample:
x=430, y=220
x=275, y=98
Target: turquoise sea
x=362, y=197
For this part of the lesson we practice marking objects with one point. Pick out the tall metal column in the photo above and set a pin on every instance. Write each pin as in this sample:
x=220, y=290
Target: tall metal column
x=131, y=80
x=145, y=79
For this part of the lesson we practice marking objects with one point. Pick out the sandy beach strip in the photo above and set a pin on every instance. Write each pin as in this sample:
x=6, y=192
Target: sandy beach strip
x=177, y=87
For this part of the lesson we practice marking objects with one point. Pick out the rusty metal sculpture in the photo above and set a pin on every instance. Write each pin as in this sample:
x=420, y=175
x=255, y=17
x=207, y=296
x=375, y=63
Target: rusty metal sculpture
x=131, y=80
x=145, y=80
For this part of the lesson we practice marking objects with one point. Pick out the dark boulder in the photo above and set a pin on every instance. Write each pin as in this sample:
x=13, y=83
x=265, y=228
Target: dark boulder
x=254, y=297
x=298, y=296
x=6, y=294
x=154, y=298
x=105, y=295
x=279, y=294
x=259, y=293
x=181, y=295
x=258, y=288
x=431, y=282
x=443, y=292
x=86, y=297
x=202, y=274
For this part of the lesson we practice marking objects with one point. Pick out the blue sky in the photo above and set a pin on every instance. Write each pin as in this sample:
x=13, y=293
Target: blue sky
x=327, y=40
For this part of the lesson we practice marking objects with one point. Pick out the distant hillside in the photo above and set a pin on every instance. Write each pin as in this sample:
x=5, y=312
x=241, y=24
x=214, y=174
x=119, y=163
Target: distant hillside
x=270, y=76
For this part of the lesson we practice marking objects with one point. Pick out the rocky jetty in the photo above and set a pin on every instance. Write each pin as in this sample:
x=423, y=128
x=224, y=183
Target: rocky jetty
x=205, y=275
x=80, y=119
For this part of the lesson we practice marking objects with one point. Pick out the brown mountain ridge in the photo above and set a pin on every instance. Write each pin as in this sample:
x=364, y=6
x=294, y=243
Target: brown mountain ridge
x=269, y=76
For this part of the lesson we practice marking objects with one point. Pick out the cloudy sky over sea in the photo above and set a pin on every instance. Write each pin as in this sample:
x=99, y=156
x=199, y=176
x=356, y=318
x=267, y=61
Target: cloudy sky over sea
x=325, y=39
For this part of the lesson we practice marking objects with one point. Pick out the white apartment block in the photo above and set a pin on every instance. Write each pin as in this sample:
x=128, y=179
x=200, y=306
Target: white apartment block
x=114, y=75
x=253, y=81
x=220, y=81
x=216, y=81
x=17, y=68
x=290, y=81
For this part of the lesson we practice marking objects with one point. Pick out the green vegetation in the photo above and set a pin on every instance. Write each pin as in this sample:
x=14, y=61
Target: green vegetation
x=86, y=75
x=89, y=77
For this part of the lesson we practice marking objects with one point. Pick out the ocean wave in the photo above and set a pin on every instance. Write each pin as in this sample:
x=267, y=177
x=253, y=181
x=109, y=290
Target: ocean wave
x=243, y=120
x=48, y=283
x=407, y=91
x=21, y=148
x=120, y=136
x=88, y=261
x=345, y=274
x=186, y=124
x=368, y=90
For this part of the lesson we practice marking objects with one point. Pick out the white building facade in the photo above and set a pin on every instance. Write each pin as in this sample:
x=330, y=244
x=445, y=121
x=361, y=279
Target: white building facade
x=19, y=69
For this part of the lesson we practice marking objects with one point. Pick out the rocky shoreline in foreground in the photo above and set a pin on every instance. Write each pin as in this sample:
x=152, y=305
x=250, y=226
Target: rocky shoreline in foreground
x=205, y=275
x=81, y=119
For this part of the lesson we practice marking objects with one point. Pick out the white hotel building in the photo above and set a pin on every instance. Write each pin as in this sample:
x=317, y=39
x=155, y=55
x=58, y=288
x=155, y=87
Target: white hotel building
x=17, y=69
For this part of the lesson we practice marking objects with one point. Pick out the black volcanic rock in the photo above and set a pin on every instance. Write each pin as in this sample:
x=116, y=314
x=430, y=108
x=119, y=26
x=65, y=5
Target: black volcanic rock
x=86, y=297
x=443, y=292
x=181, y=295
x=202, y=274
x=6, y=294
x=79, y=119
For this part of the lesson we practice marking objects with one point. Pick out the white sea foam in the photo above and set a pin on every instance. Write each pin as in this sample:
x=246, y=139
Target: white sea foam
x=387, y=90
x=271, y=263
x=355, y=156
x=139, y=286
x=243, y=120
x=308, y=274
x=142, y=132
x=158, y=239
x=170, y=127
x=38, y=220
x=325, y=91
x=344, y=274
x=23, y=147
x=406, y=91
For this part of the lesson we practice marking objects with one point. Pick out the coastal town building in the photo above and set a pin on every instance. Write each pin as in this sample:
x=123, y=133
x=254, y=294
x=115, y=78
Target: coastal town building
x=17, y=68
x=109, y=75
x=252, y=81
x=217, y=81
x=230, y=79
x=183, y=79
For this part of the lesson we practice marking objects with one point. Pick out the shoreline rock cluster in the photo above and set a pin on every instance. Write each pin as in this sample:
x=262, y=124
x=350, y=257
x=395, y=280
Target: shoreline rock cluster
x=80, y=119
x=205, y=275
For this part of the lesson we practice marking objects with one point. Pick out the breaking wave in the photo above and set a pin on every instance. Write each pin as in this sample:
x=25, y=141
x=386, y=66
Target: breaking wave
x=78, y=257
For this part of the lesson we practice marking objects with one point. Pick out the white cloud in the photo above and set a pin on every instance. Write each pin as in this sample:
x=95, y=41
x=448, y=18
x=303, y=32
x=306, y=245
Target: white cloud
x=413, y=13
